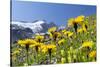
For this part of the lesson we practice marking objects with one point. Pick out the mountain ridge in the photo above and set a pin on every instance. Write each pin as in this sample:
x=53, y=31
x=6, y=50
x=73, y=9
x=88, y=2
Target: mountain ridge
x=21, y=30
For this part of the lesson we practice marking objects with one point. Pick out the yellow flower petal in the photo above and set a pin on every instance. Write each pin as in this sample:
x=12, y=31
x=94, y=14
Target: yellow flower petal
x=87, y=44
x=92, y=54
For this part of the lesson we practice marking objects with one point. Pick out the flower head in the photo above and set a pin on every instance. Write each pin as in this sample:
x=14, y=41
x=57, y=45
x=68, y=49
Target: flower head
x=26, y=42
x=92, y=54
x=48, y=48
x=51, y=46
x=80, y=30
x=39, y=38
x=87, y=44
x=70, y=22
x=37, y=46
x=79, y=19
x=44, y=48
x=63, y=31
x=68, y=33
x=56, y=35
x=52, y=29
x=61, y=42
x=75, y=21
x=84, y=27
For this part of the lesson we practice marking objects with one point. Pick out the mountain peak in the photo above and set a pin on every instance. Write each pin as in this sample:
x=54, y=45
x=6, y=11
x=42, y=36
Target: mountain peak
x=20, y=29
x=39, y=21
x=36, y=26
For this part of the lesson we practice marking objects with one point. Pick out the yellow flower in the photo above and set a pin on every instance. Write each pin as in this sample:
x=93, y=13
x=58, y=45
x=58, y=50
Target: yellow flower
x=61, y=42
x=56, y=35
x=87, y=44
x=44, y=48
x=52, y=29
x=59, y=34
x=26, y=42
x=68, y=33
x=37, y=46
x=50, y=46
x=92, y=54
x=84, y=28
x=63, y=31
x=79, y=30
x=79, y=19
x=70, y=22
x=75, y=21
x=39, y=38
x=21, y=42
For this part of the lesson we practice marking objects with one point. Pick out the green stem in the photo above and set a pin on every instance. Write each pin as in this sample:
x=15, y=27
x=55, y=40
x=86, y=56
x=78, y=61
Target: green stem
x=37, y=58
x=27, y=56
x=50, y=54
x=50, y=58
x=27, y=47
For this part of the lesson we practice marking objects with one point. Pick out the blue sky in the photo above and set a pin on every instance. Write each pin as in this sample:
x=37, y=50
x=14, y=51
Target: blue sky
x=51, y=12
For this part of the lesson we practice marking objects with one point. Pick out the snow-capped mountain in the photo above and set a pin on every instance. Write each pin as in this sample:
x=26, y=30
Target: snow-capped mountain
x=20, y=29
x=34, y=26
